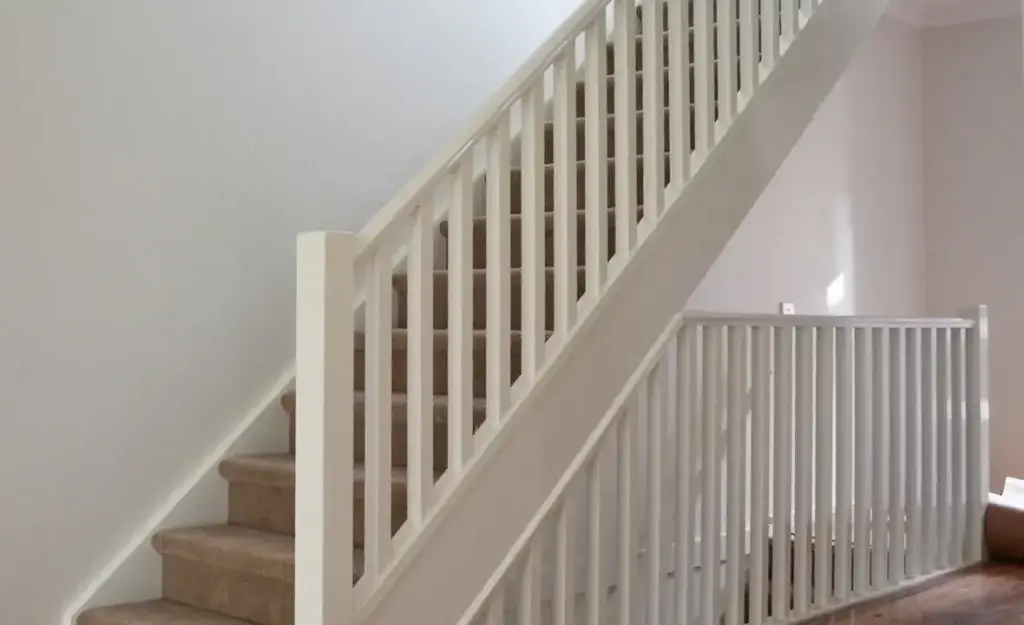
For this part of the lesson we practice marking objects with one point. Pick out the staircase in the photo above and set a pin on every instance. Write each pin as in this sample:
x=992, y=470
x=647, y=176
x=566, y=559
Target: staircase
x=468, y=291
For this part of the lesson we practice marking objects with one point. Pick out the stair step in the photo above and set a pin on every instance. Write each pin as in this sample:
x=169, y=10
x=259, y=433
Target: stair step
x=231, y=547
x=154, y=613
x=581, y=136
x=581, y=90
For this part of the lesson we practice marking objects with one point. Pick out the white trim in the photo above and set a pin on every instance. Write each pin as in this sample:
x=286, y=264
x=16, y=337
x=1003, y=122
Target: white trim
x=937, y=13
x=133, y=573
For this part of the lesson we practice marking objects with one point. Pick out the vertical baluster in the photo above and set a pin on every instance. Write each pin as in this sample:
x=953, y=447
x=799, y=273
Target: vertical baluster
x=726, y=33
x=688, y=398
x=498, y=282
x=377, y=355
x=655, y=419
x=703, y=78
x=460, y=319
x=625, y=129
x=824, y=453
x=654, y=119
x=790, y=21
x=325, y=290
x=942, y=459
x=806, y=8
x=929, y=473
x=531, y=211
x=596, y=142
x=626, y=544
x=565, y=538
x=958, y=439
x=710, y=508
x=803, y=457
x=736, y=472
x=769, y=36
x=880, y=458
x=913, y=439
x=748, y=50
x=679, y=91
x=760, y=415
x=977, y=433
x=782, y=508
x=844, y=460
x=863, y=470
x=595, y=579
x=530, y=589
x=897, y=446
x=565, y=193
x=420, y=420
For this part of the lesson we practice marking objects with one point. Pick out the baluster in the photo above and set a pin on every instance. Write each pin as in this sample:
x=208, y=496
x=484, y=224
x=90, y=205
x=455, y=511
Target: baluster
x=679, y=91
x=625, y=129
x=914, y=434
x=783, y=481
x=460, y=319
x=703, y=78
x=565, y=193
x=377, y=366
x=863, y=469
x=958, y=439
x=530, y=586
x=977, y=433
x=565, y=596
x=655, y=431
x=790, y=22
x=626, y=544
x=654, y=119
x=769, y=36
x=726, y=32
x=760, y=416
x=804, y=469
x=420, y=420
x=711, y=509
x=844, y=460
x=748, y=50
x=929, y=472
x=824, y=453
x=687, y=446
x=596, y=589
x=596, y=142
x=897, y=447
x=942, y=454
x=880, y=458
x=736, y=471
x=498, y=265
x=532, y=232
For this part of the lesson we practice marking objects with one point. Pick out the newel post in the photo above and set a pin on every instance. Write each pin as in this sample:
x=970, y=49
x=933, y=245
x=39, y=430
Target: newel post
x=977, y=433
x=325, y=295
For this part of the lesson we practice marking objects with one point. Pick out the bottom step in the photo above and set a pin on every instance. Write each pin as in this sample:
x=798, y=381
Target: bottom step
x=153, y=613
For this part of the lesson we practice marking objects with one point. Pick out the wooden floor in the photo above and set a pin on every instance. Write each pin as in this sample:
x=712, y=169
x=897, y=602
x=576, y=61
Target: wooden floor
x=988, y=595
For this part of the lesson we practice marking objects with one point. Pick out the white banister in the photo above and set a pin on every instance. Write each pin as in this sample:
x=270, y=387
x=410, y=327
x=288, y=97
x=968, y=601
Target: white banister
x=532, y=217
x=711, y=409
x=898, y=447
x=625, y=129
x=736, y=471
x=803, y=467
x=844, y=462
x=824, y=452
x=679, y=91
x=958, y=440
x=460, y=319
x=942, y=456
x=914, y=449
x=863, y=460
x=704, y=78
x=782, y=482
x=596, y=142
x=726, y=63
x=929, y=472
x=420, y=414
x=977, y=432
x=565, y=193
x=879, y=417
x=498, y=279
x=654, y=120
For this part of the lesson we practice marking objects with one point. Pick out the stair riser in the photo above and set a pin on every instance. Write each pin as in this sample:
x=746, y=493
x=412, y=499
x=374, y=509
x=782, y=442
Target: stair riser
x=262, y=600
x=581, y=137
x=581, y=177
x=399, y=369
x=516, y=251
x=581, y=92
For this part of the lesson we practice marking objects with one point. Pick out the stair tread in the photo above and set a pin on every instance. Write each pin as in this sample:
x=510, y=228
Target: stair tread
x=279, y=470
x=397, y=399
x=549, y=216
x=583, y=163
x=400, y=338
x=232, y=547
x=159, y=612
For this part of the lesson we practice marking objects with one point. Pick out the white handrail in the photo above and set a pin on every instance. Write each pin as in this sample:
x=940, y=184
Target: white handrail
x=834, y=321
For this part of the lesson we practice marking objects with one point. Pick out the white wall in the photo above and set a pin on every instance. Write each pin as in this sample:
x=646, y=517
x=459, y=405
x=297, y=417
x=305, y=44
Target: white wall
x=845, y=210
x=156, y=161
x=974, y=174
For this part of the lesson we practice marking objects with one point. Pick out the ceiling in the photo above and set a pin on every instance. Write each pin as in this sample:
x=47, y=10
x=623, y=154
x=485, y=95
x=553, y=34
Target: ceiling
x=927, y=13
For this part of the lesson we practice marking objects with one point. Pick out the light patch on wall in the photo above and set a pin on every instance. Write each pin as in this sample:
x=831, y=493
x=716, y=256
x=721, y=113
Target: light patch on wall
x=836, y=293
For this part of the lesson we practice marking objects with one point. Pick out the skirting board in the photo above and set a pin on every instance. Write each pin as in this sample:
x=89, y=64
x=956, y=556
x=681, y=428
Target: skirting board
x=133, y=573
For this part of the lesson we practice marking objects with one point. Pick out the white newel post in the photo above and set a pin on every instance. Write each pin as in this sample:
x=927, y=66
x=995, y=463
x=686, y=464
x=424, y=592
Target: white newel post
x=977, y=434
x=324, y=437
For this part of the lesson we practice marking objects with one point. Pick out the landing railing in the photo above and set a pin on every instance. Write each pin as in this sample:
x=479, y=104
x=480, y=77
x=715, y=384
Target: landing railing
x=856, y=464
x=350, y=322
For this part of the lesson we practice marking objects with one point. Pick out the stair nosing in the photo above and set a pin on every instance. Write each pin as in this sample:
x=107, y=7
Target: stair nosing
x=233, y=470
x=229, y=547
x=161, y=608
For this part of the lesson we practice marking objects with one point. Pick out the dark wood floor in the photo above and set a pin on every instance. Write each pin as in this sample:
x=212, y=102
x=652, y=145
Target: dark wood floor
x=989, y=595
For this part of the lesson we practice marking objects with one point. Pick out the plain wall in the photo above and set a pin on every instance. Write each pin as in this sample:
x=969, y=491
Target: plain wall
x=974, y=198
x=845, y=209
x=156, y=161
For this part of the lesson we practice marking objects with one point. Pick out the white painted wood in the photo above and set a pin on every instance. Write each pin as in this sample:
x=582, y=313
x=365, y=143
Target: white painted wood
x=596, y=159
x=913, y=446
x=824, y=452
x=977, y=433
x=769, y=36
x=460, y=318
x=377, y=507
x=880, y=457
x=844, y=461
x=625, y=128
x=790, y=20
x=943, y=463
x=898, y=454
x=710, y=508
x=835, y=321
x=565, y=194
x=957, y=439
x=760, y=469
x=530, y=593
x=687, y=452
x=726, y=62
x=929, y=472
x=654, y=104
x=863, y=458
x=803, y=457
x=749, y=32
x=596, y=587
x=703, y=78
x=783, y=475
x=420, y=426
x=498, y=281
x=325, y=290
x=626, y=544
x=533, y=235
x=679, y=90
x=736, y=473
x=565, y=594
x=654, y=417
